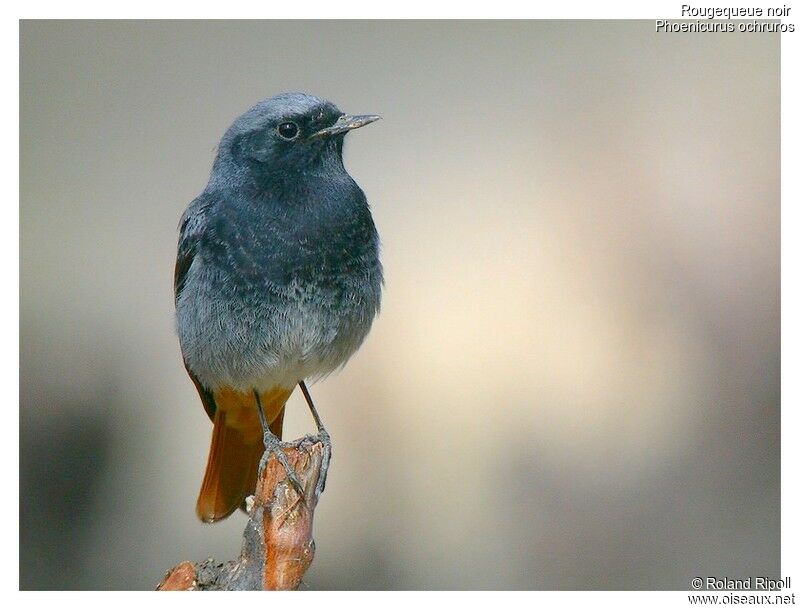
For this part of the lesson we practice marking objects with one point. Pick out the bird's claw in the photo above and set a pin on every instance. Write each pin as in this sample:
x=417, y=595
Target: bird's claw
x=325, y=439
x=272, y=446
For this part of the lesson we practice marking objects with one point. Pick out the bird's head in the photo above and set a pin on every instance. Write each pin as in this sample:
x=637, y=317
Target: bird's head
x=288, y=133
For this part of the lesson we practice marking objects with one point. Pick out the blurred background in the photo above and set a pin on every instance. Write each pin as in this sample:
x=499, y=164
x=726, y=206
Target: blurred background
x=574, y=380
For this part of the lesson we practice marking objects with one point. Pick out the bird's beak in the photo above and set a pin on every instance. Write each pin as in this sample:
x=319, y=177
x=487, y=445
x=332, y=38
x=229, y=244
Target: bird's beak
x=346, y=123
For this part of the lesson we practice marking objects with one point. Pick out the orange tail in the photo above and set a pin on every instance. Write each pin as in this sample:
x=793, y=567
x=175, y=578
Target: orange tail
x=236, y=449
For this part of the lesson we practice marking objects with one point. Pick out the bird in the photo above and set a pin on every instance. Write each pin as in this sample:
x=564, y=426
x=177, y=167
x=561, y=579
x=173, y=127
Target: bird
x=277, y=281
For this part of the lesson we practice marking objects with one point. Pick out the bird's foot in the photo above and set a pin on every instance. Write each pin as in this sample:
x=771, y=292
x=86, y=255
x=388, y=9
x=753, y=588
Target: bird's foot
x=273, y=446
x=325, y=439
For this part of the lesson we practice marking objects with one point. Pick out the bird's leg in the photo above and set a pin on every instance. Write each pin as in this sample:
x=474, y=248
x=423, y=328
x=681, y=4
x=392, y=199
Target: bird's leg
x=324, y=437
x=272, y=445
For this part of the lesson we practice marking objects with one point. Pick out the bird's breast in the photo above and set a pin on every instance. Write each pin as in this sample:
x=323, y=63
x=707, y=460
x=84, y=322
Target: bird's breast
x=279, y=293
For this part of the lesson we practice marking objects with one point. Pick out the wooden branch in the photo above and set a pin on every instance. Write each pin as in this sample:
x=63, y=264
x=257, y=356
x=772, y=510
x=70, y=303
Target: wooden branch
x=277, y=546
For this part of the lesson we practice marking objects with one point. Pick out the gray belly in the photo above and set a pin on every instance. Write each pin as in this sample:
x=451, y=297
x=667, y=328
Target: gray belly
x=275, y=336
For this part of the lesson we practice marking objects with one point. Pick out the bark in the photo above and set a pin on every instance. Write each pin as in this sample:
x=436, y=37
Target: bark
x=277, y=545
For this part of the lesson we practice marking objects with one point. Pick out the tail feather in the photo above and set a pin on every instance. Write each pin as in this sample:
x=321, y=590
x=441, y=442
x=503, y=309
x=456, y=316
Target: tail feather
x=236, y=449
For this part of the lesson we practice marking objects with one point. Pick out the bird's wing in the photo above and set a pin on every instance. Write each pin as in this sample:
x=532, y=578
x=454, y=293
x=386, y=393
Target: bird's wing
x=191, y=231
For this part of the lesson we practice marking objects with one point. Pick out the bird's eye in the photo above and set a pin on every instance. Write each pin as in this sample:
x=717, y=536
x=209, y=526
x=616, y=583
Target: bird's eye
x=288, y=131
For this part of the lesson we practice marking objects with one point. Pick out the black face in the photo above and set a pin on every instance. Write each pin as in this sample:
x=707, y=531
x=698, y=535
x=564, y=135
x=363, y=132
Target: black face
x=286, y=141
x=293, y=126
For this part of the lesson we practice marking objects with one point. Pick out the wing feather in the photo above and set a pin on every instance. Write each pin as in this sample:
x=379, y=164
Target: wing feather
x=191, y=232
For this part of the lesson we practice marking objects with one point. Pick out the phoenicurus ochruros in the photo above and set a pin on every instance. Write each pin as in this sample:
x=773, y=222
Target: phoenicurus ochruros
x=277, y=280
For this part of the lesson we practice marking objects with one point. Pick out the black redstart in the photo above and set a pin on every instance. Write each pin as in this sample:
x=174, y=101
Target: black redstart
x=277, y=280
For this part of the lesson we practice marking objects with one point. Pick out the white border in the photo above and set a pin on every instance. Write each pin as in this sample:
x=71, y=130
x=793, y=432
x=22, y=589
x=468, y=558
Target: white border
x=9, y=258
x=790, y=302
